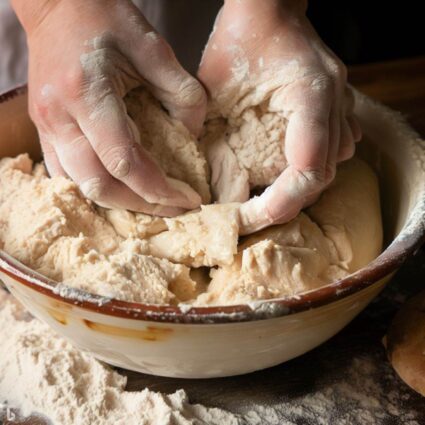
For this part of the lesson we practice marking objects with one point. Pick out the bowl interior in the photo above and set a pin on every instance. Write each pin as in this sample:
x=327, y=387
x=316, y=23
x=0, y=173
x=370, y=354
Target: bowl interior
x=389, y=145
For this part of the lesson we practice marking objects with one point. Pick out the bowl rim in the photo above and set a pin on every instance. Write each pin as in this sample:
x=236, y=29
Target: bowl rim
x=411, y=237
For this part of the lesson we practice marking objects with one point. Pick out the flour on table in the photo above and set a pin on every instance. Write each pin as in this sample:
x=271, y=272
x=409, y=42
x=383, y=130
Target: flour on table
x=42, y=373
x=357, y=399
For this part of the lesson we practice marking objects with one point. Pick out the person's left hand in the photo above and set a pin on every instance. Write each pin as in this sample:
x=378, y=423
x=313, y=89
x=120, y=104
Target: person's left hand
x=272, y=38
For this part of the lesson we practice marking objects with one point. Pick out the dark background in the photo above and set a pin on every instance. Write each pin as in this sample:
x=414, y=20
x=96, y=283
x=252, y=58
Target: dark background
x=369, y=31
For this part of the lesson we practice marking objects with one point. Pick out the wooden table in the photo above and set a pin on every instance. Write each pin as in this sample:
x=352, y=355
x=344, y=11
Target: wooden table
x=357, y=350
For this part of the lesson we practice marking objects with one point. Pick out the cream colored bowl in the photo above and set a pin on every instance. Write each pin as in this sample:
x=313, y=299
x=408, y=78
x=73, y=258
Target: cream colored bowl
x=223, y=341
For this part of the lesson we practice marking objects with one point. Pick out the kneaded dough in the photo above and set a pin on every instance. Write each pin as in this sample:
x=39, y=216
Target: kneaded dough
x=244, y=137
x=47, y=224
x=405, y=343
x=205, y=238
x=168, y=142
x=339, y=234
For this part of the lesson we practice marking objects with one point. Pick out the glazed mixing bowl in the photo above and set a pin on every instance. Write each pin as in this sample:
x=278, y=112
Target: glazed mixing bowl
x=222, y=341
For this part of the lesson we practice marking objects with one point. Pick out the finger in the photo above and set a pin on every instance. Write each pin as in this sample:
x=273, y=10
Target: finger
x=81, y=163
x=306, y=148
x=53, y=165
x=346, y=147
x=281, y=202
x=308, y=132
x=355, y=127
x=108, y=130
x=334, y=142
x=178, y=91
x=349, y=100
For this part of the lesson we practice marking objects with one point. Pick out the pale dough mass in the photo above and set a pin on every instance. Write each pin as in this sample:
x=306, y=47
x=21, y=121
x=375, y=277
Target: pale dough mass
x=47, y=224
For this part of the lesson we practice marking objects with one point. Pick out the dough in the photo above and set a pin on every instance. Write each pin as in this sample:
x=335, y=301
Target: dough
x=253, y=143
x=47, y=224
x=127, y=224
x=205, y=238
x=244, y=136
x=190, y=239
x=338, y=235
x=405, y=343
x=169, y=143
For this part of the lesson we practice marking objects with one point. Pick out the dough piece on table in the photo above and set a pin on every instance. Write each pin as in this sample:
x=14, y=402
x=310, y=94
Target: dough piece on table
x=48, y=225
x=339, y=234
x=168, y=142
x=405, y=343
x=205, y=238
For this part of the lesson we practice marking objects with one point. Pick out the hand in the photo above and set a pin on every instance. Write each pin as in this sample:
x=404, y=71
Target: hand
x=272, y=42
x=84, y=57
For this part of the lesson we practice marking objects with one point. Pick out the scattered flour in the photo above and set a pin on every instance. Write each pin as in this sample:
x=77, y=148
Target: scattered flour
x=356, y=399
x=41, y=372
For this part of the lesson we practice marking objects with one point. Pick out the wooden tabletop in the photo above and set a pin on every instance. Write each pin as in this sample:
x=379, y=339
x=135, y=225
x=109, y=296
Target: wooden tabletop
x=323, y=373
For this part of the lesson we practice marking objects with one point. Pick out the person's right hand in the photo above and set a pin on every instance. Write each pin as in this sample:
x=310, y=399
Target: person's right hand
x=84, y=57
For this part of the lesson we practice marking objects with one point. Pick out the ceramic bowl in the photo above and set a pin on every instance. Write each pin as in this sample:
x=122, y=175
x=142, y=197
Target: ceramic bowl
x=223, y=341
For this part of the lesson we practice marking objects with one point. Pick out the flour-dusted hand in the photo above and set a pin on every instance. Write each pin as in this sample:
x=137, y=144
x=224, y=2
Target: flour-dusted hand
x=85, y=56
x=271, y=43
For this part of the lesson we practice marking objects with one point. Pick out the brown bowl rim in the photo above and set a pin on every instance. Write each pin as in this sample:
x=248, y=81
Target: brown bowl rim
x=389, y=261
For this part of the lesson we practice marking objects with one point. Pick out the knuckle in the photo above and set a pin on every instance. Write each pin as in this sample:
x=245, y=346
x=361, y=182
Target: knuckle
x=117, y=160
x=39, y=107
x=316, y=121
x=73, y=82
x=313, y=178
x=159, y=45
x=271, y=215
x=322, y=83
x=37, y=111
x=338, y=70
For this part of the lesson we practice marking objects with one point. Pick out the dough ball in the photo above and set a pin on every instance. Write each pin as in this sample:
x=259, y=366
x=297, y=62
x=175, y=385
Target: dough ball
x=405, y=343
